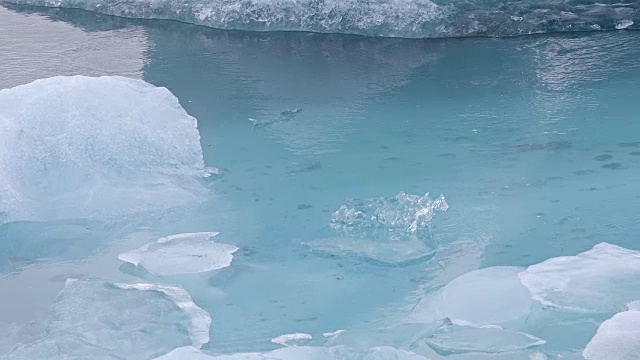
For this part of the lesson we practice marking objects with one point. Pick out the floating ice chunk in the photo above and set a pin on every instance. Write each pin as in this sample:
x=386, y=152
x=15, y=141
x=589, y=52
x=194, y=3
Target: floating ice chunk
x=389, y=252
x=602, y=279
x=487, y=296
x=295, y=339
x=623, y=24
x=188, y=253
x=94, y=319
x=400, y=217
x=617, y=338
x=212, y=171
x=83, y=147
x=454, y=339
x=333, y=333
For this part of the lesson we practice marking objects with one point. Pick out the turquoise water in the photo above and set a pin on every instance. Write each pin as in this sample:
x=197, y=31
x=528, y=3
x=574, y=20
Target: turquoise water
x=533, y=141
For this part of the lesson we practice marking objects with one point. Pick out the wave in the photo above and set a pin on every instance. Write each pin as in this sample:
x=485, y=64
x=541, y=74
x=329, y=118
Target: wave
x=388, y=18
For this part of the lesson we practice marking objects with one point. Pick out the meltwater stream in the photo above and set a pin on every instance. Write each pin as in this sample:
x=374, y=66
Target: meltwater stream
x=304, y=196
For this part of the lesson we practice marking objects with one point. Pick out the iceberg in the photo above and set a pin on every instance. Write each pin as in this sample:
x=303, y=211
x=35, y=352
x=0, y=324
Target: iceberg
x=94, y=147
x=93, y=319
x=600, y=280
x=180, y=254
x=617, y=338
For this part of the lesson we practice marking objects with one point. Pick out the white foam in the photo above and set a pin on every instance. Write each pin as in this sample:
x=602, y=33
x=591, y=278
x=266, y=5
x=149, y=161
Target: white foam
x=487, y=296
x=617, y=338
x=602, y=279
x=404, y=216
x=188, y=253
x=200, y=319
x=78, y=147
x=291, y=339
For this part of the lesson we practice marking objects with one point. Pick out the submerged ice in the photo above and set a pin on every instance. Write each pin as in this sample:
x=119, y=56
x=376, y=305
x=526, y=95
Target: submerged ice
x=93, y=319
x=490, y=296
x=455, y=339
x=83, y=147
x=376, y=250
x=189, y=253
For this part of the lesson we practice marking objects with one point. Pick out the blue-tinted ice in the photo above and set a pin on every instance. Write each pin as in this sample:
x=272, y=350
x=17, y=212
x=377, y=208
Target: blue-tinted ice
x=105, y=180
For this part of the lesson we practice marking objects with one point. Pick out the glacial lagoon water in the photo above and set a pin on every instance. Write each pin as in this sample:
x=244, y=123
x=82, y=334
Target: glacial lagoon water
x=320, y=164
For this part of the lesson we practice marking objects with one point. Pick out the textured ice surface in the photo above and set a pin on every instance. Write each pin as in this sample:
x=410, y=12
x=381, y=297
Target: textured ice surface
x=617, y=338
x=189, y=253
x=76, y=147
x=487, y=296
x=453, y=339
x=411, y=18
x=299, y=353
x=603, y=279
x=94, y=319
